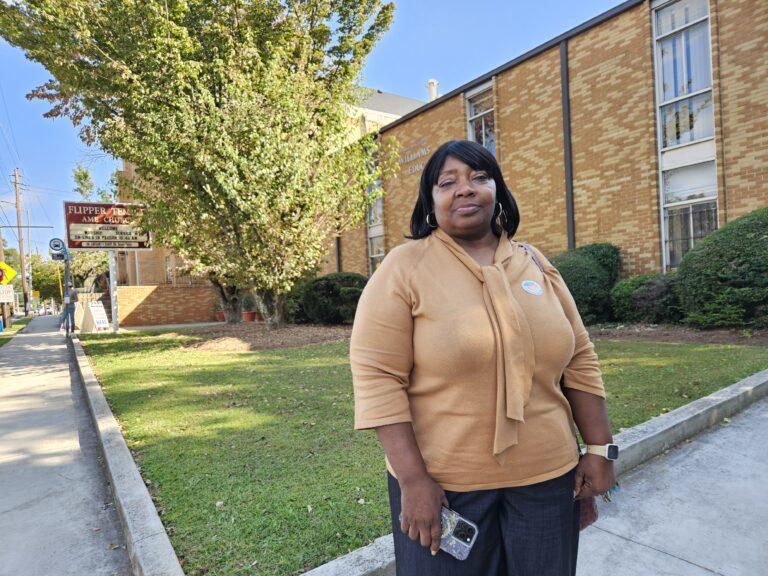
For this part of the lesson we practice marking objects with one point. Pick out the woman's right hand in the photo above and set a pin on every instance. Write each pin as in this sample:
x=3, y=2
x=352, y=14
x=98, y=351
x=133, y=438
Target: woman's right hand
x=420, y=501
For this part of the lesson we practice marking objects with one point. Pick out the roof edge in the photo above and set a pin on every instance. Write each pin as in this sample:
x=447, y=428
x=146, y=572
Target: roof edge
x=583, y=27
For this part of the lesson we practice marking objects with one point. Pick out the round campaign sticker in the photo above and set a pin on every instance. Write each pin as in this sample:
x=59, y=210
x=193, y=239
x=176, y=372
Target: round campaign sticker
x=532, y=287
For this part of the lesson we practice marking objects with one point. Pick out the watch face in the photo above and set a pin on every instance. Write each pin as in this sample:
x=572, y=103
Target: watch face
x=613, y=451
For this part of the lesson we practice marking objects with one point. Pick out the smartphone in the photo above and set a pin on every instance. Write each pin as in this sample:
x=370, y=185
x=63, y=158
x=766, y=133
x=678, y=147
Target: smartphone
x=459, y=534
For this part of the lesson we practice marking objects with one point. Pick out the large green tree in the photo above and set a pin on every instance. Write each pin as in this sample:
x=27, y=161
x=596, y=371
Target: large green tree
x=46, y=275
x=236, y=114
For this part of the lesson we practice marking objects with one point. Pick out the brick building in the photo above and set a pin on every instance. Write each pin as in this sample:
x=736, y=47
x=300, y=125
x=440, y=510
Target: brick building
x=646, y=127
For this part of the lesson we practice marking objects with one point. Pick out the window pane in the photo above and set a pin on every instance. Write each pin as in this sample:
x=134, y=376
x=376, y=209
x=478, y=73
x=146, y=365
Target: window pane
x=489, y=133
x=476, y=130
x=376, y=262
x=689, y=182
x=672, y=79
x=704, y=217
x=376, y=246
x=375, y=212
x=687, y=120
x=685, y=65
x=480, y=103
x=697, y=65
x=679, y=14
x=678, y=233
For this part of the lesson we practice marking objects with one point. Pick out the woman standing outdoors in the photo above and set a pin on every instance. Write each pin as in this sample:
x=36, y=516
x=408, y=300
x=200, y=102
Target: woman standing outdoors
x=473, y=364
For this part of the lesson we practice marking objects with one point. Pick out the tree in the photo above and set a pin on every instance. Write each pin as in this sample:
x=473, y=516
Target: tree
x=87, y=189
x=46, y=275
x=236, y=114
x=88, y=264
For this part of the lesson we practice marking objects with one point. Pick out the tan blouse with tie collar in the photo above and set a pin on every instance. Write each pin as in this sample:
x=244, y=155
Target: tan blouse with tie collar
x=473, y=356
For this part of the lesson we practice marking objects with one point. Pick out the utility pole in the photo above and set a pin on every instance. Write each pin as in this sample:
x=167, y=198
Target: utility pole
x=22, y=257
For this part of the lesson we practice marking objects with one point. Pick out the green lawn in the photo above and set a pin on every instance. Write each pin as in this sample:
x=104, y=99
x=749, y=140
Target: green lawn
x=18, y=325
x=252, y=459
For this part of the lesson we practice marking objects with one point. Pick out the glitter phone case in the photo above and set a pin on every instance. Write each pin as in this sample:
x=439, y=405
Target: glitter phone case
x=459, y=534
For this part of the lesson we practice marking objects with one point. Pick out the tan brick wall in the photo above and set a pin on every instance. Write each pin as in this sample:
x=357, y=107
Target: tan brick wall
x=740, y=86
x=425, y=132
x=164, y=304
x=328, y=263
x=530, y=148
x=614, y=139
x=354, y=251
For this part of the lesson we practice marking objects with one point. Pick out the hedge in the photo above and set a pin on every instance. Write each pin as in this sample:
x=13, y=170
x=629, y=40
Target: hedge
x=332, y=299
x=723, y=279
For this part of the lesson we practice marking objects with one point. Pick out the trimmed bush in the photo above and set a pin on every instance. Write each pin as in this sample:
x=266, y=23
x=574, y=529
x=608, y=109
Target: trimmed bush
x=588, y=282
x=332, y=299
x=656, y=300
x=606, y=255
x=723, y=279
x=294, y=302
x=621, y=304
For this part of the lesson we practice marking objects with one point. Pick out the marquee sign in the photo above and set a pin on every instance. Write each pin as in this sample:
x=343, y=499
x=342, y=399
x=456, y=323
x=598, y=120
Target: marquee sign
x=103, y=226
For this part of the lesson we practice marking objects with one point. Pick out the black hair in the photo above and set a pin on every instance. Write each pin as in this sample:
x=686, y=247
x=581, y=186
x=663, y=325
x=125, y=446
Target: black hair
x=476, y=157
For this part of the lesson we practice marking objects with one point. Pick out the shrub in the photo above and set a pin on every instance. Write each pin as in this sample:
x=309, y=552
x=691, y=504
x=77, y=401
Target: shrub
x=723, y=279
x=606, y=255
x=656, y=300
x=588, y=282
x=621, y=304
x=249, y=302
x=293, y=310
x=332, y=299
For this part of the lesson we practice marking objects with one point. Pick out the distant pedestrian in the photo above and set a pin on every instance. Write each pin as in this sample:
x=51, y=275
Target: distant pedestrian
x=68, y=313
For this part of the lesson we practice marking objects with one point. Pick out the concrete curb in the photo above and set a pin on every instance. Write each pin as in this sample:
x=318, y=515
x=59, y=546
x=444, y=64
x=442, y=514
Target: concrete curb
x=638, y=444
x=148, y=545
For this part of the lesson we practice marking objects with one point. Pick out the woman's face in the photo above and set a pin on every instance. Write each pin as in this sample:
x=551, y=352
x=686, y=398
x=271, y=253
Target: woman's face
x=464, y=199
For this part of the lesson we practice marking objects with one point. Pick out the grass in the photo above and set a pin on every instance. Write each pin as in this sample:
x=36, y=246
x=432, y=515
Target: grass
x=252, y=460
x=18, y=326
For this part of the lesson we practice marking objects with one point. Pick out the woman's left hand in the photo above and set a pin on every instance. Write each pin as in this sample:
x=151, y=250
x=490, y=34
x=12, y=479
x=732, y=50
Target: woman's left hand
x=594, y=476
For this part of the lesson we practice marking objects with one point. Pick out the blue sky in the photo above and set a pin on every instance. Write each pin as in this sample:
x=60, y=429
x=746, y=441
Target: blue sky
x=450, y=40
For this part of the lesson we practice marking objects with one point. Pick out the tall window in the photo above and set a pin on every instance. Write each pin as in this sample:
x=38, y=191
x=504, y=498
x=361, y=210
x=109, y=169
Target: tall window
x=482, y=127
x=686, y=124
x=375, y=228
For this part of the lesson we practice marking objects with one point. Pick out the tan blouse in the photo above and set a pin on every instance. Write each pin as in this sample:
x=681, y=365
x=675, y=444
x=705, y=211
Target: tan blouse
x=473, y=356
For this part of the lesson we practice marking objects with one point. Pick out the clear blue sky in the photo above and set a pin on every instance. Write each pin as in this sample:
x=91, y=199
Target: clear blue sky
x=450, y=40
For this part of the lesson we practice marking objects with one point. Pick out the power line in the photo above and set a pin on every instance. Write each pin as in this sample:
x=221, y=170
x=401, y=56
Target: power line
x=10, y=124
x=46, y=190
x=8, y=220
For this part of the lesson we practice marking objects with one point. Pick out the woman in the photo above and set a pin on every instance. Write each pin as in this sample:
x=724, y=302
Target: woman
x=473, y=365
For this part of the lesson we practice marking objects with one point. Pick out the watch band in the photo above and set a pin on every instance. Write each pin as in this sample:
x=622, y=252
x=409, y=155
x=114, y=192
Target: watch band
x=603, y=450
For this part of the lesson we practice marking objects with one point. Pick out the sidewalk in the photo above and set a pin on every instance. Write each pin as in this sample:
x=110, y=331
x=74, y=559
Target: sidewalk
x=700, y=509
x=56, y=511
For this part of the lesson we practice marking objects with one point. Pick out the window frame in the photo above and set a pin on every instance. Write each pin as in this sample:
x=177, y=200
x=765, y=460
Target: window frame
x=470, y=95
x=659, y=105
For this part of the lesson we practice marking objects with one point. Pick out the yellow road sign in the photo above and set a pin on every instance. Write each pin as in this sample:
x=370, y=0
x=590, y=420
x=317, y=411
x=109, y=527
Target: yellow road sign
x=35, y=293
x=6, y=273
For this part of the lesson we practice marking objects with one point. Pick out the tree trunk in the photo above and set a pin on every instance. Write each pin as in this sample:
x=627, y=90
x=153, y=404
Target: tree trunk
x=231, y=299
x=271, y=306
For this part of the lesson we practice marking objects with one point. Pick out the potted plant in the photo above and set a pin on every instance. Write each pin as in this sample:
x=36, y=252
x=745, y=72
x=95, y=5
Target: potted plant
x=220, y=313
x=249, y=308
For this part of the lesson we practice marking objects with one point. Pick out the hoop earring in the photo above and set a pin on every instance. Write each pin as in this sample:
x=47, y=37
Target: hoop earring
x=428, y=223
x=502, y=216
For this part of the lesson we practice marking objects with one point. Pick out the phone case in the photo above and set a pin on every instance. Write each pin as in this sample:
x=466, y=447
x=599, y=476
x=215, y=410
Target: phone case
x=459, y=534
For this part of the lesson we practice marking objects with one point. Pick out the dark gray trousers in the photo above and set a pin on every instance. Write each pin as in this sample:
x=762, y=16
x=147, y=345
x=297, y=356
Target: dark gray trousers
x=523, y=531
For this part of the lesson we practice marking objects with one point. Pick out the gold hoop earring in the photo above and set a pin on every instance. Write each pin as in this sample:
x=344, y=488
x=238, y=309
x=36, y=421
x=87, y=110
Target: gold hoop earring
x=502, y=216
x=428, y=222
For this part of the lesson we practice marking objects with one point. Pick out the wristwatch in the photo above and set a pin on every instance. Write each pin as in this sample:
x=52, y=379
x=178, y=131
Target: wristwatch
x=608, y=451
